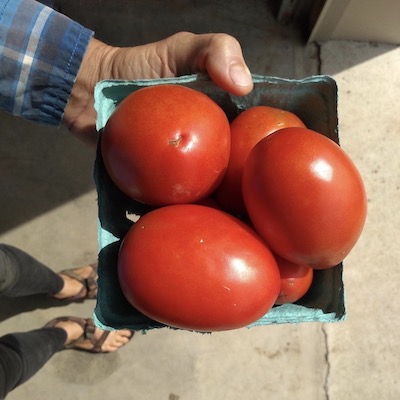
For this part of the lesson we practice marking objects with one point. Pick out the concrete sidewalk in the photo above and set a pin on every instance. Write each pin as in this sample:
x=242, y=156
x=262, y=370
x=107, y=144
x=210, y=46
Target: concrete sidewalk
x=48, y=204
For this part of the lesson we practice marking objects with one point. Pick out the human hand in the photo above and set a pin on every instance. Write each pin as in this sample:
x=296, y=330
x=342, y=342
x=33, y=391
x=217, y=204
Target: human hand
x=219, y=55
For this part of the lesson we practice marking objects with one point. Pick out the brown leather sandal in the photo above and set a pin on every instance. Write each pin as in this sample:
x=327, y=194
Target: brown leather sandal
x=89, y=289
x=89, y=329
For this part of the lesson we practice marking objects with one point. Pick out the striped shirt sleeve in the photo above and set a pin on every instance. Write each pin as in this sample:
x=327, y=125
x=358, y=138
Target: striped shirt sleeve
x=41, y=51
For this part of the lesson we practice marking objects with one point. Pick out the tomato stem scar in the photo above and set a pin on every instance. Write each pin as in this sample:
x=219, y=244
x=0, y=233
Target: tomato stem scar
x=176, y=141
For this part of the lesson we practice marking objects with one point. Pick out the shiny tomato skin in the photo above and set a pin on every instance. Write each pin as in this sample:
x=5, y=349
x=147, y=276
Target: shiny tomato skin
x=194, y=267
x=247, y=129
x=305, y=197
x=166, y=144
x=296, y=280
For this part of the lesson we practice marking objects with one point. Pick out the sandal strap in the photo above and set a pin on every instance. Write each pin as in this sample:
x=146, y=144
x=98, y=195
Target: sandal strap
x=89, y=283
x=51, y=324
x=72, y=274
x=90, y=329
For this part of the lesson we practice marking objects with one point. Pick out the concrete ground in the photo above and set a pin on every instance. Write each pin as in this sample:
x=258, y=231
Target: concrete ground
x=48, y=208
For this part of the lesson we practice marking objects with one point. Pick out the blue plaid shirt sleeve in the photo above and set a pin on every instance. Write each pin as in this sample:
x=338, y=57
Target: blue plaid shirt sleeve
x=41, y=51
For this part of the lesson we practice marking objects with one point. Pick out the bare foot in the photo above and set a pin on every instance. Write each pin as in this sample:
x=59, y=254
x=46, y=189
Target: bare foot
x=73, y=288
x=76, y=336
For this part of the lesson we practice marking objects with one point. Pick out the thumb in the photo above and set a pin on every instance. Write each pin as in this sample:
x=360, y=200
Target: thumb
x=224, y=63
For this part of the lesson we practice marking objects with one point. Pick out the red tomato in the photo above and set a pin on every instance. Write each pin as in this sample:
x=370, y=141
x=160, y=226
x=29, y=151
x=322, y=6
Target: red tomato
x=166, y=144
x=247, y=129
x=305, y=197
x=209, y=202
x=295, y=281
x=195, y=267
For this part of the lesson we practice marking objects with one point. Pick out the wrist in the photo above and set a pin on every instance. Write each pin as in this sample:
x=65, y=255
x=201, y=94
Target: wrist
x=95, y=67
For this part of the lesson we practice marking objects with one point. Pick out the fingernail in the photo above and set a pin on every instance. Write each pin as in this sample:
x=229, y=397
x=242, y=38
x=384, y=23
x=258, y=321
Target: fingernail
x=240, y=75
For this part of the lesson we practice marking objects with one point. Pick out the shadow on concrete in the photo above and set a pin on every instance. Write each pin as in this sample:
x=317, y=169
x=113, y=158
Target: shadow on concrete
x=268, y=46
x=41, y=168
x=280, y=47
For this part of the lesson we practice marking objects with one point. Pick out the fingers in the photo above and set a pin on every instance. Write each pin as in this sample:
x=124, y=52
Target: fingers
x=225, y=64
x=217, y=54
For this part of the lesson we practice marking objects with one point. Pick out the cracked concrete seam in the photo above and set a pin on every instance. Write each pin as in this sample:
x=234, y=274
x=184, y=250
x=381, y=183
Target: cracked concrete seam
x=327, y=362
x=318, y=49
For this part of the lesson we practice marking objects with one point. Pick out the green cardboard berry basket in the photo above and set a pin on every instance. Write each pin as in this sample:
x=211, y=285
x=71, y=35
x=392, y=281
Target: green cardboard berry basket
x=313, y=99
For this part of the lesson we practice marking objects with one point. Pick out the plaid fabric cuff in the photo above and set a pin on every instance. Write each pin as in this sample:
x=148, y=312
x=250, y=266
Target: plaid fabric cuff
x=40, y=55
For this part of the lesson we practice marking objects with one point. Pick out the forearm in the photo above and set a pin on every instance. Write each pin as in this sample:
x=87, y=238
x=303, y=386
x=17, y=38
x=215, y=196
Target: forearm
x=41, y=52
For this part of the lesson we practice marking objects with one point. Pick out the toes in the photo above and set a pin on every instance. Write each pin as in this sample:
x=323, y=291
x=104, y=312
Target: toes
x=109, y=348
x=122, y=340
x=127, y=333
x=116, y=340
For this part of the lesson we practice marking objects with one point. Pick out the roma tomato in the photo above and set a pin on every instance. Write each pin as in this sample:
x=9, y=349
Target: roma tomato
x=247, y=129
x=305, y=197
x=295, y=281
x=166, y=144
x=194, y=267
